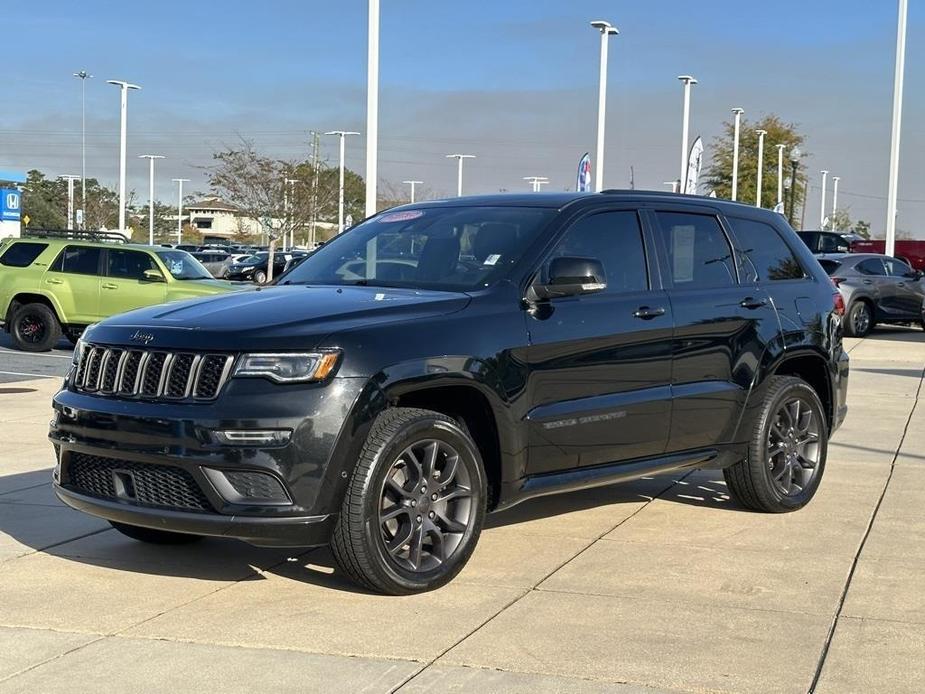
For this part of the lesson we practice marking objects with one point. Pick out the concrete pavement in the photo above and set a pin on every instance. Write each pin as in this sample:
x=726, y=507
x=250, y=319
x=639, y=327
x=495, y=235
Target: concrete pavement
x=658, y=585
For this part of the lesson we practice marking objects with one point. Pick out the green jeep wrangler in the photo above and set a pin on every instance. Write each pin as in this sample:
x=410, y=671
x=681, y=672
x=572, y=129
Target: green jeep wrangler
x=54, y=283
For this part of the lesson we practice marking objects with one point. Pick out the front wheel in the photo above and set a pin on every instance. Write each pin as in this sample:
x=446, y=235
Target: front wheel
x=152, y=536
x=260, y=277
x=415, y=504
x=786, y=456
x=35, y=328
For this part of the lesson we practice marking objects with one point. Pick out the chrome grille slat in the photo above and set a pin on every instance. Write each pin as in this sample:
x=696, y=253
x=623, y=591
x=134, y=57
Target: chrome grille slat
x=152, y=374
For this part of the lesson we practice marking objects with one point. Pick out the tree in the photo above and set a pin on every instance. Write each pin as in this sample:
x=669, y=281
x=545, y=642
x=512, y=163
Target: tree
x=719, y=174
x=45, y=203
x=842, y=222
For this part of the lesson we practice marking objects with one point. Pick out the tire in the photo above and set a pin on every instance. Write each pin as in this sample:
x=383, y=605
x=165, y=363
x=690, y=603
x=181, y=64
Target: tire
x=859, y=320
x=72, y=335
x=260, y=277
x=154, y=537
x=757, y=482
x=35, y=328
x=378, y=552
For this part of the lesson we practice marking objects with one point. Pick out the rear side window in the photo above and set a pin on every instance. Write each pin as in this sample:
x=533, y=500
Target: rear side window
x=830, y=266
x=129, y=265
x=22, y=254
x=615, y=239
x=765, y=251
x=871, y=266
x=699, y=255
x=78, y=260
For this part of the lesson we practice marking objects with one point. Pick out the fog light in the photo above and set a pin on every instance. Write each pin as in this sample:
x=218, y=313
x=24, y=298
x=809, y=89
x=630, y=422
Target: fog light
x=253, y=437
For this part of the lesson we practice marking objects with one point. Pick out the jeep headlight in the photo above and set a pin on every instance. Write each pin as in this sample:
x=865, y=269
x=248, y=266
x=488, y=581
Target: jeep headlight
x=288, y=367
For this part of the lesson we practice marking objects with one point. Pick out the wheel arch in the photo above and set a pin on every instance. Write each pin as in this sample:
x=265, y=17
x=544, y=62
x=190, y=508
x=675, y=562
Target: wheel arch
x=23, y=298
x=813, y=368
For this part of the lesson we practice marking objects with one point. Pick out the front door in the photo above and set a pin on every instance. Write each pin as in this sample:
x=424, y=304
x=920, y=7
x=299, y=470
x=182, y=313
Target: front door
x=907, y=286
x=125, y=287
x=599, y=364
x=721, y=332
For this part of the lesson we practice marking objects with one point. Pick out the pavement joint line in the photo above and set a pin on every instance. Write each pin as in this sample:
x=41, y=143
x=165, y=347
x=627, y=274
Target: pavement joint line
x=23, y=373
x=55, y=657
x=45, y=548
x=857, y=556
x=535, y=585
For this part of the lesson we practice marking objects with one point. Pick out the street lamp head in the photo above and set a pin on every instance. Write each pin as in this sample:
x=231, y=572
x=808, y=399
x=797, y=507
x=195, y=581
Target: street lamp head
x=123, y=84
x=738, y=111
x=795, y=155
x=151, y=156
x=178, y=180
x=342, y=133
x=824, y=172
x=605, y=27
x=836, y=178
x=761, y=133
x=781, y=148
x=687, y=79
x=460, y=156
x=83, y=74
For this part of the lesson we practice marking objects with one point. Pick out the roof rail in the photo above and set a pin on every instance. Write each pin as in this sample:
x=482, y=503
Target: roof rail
x=75, y=235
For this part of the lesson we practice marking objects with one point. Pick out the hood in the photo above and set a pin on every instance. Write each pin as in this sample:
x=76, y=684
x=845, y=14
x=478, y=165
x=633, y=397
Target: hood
x=281, y=318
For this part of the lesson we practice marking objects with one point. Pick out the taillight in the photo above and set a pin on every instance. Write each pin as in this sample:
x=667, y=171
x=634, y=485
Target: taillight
x=838, y=302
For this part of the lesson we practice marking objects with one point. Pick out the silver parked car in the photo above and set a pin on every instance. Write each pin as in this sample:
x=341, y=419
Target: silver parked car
x=216, y=262
x=876, y=289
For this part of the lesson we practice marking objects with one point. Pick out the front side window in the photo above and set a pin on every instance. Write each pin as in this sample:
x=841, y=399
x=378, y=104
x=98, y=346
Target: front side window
x=699, y=256
x=872, y=266
x=129, y=265
x=78, y=260
x=897, y=268
x=445, y=248
x=765, y=251
x=615, y=239
x=22, y=254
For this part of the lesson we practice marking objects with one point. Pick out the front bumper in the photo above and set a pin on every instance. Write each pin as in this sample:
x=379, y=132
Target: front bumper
x=138, y=440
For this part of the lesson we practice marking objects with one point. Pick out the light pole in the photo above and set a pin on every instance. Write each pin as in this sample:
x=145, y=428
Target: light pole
x=761, y=134
x=372, y=115
x=795, y=166
x=687, y=81
x=825, y=175
x=124, y=87
x=780, y=173
x=412, y=184
x=835, y=180
x=607, y=30
x=735, y=152
x=342, y=134
x=893, y=193
x=536, y=182
x=151, y=158
x=459, y=163
x=180, y=182
x=70, y=178
x=289, y=197
x=673, y=184
x=83, y=76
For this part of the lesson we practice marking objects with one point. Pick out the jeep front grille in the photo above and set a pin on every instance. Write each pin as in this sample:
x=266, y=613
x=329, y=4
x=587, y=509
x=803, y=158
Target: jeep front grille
x=151, y=374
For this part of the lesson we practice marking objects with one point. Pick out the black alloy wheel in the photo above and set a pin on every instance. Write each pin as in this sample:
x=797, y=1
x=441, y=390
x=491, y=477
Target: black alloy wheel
x=35, y=328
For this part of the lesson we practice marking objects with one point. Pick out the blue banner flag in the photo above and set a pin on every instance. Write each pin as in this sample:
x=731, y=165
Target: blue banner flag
x=584, y=174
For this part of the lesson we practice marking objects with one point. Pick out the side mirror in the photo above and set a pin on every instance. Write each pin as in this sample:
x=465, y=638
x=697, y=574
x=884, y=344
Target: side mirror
x=153, y=276
x=570, y=276
x=917, y=274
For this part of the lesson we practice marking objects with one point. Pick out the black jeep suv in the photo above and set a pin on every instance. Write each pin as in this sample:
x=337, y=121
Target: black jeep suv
x=443, y=360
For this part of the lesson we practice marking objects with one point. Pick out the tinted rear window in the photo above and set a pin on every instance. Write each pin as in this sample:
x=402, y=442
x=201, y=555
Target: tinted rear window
x=830, y=266
x=22, y=254
x=766, y=251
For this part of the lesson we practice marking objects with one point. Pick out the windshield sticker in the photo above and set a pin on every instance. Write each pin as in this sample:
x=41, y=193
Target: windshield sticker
x=492, y=259
x=176, y=267
x=401, y=216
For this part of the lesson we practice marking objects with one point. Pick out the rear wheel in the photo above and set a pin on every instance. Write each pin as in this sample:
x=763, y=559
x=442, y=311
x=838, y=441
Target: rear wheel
x=154, y=537
x=415, y=505
x=260, y=277
x=860, y=319
x=35, y=328
x=786, y=456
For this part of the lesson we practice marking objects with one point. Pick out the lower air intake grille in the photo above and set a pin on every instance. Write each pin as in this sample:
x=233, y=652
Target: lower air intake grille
x=141, y=483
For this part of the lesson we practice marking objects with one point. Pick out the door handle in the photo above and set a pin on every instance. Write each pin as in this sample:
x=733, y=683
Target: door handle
x=752, y=303
x=900, y=284
x=868, y=281
x=647, y=313
x=53, y=281
x=109, y=285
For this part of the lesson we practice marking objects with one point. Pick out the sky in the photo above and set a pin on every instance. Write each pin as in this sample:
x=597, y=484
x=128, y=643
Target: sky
x=513, y=82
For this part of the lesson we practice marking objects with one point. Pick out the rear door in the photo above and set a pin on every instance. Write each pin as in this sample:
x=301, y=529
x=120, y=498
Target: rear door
x=599, y=365
x=74, y=279
x=125, y=288
x=722, y=327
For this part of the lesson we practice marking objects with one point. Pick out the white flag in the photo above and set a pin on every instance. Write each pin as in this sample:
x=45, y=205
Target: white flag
x=694, y=164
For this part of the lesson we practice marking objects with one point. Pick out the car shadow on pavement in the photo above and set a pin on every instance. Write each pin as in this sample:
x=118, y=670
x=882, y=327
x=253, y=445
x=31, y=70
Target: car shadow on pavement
x=911, y=373
x=27, y=503
x=894, y=333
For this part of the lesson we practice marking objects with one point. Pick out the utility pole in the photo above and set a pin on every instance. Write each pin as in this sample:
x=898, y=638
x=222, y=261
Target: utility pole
x=83, y=76
x=607, y=30
x=688, y=82
x=316, y=146
x=735, y=152
x=179, y=182
x=780, y=173
x=673, y=184
x=459, y=170
x=70, y=178
x=151, y=158
x=124, y=87
x=372, y=116
x=825, y=175
x=413, y=184
x=340, y=201
x=761, y=134
x=536, y=182
x=835, y=180
x=893, y=191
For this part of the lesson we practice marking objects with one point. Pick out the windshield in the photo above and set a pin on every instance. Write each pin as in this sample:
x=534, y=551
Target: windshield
x=449, y=248
x=183, y=266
